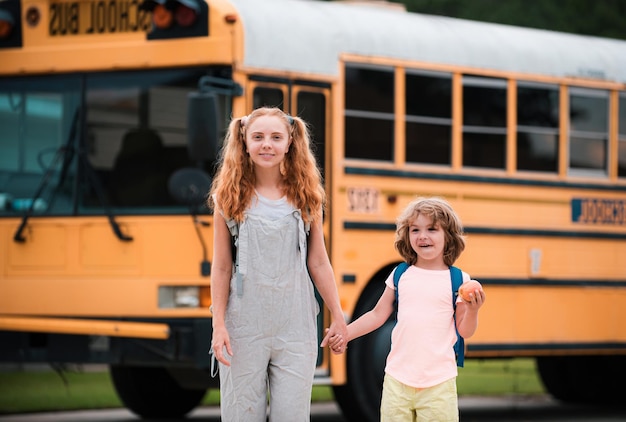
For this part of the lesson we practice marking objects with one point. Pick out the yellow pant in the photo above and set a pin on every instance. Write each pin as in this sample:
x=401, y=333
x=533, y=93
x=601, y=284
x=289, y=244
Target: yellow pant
x=433, y=404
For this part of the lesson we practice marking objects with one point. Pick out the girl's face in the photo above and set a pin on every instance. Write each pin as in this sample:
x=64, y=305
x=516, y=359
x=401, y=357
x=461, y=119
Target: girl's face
x=267, y=141
x=428, y=241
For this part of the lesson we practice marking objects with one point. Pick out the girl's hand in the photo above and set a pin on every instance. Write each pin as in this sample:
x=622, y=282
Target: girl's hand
x=220, y=340
x=337, y=343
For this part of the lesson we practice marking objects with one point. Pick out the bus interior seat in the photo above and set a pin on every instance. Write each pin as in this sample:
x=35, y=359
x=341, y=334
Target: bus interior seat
x=139, y=177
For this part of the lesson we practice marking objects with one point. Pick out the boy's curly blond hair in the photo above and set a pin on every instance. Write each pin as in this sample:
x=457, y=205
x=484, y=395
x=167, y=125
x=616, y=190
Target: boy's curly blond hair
x=443, y=215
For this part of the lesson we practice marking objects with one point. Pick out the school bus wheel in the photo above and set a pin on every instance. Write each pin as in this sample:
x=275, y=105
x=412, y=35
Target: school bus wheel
x=151, y=392
x=584, y=379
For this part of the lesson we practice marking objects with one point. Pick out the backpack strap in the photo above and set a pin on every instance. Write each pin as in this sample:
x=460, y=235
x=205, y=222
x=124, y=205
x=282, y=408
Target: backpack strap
x=397, y=273
x=307, y=224
x=233, y=227
x=459, y=347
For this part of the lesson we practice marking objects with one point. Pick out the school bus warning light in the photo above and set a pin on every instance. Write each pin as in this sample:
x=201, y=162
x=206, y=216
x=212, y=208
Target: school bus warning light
x=10, y=29
x=177, y=18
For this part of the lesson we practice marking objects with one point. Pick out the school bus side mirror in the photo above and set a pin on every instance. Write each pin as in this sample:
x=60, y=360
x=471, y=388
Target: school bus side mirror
x=202, y=126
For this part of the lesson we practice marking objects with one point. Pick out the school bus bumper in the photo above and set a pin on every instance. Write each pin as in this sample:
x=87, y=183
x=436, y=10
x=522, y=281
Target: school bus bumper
x=85, y=327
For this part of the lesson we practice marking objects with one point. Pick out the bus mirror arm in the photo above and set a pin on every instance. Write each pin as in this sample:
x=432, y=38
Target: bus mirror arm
x=204, y=125
x=189, y=186
x=205, y=265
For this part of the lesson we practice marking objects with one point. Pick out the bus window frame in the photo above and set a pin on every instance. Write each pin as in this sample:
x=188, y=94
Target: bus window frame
x=556, y=130
x=391, y=117
x=431, y=120
x=603, y=93
x=621, y=134
x=489, y=82
x=251, y=86
x=325, y=92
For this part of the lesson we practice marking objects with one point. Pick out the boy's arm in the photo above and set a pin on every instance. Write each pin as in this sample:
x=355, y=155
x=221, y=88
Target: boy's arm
x=373, y=319
x=467, y=313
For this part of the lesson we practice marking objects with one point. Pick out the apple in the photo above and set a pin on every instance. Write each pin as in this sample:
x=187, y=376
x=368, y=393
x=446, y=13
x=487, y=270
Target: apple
x=468, y=287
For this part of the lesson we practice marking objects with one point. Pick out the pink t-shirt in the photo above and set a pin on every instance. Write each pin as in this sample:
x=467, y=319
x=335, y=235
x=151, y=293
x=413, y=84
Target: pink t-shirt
x=422, y=340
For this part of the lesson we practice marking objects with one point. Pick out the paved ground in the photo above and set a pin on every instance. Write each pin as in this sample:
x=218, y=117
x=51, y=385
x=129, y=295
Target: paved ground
x=473, y=409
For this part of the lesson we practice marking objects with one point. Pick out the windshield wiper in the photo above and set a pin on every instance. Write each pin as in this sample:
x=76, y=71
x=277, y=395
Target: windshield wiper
x=67, y=153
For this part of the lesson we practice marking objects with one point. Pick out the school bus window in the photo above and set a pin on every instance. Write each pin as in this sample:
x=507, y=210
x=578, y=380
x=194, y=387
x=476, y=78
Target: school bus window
x=35, y=121
x=428, y=118
x=369, y=114
x=271, y=97
x=312, y=108
x=484, y=122
x=621, y=171
x=537, y=128
x=136, y=135
x=589, y=131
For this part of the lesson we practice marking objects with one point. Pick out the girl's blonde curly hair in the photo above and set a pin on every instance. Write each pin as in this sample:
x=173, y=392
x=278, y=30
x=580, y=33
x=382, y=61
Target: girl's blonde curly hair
x=443, y=215
x=233, y=184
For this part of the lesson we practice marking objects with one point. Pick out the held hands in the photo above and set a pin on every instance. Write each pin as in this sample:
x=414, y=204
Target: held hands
x=336, y=336
x=220, y=340
x=337, y=342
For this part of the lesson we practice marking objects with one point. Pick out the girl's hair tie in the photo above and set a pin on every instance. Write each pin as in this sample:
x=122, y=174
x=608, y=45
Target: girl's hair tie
x=243, y=121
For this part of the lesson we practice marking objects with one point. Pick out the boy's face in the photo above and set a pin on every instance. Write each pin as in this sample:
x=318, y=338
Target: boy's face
x=428, y=241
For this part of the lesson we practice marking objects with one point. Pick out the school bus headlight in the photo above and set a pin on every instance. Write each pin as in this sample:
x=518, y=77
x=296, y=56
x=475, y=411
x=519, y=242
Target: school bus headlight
x=179, y=296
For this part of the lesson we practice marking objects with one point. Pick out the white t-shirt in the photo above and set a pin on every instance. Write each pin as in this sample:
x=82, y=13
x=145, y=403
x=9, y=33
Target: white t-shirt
x=272, y=209
x=423, y=338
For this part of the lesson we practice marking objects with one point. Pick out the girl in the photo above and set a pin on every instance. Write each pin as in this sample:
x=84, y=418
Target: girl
x=268, y=190
x=420, y=374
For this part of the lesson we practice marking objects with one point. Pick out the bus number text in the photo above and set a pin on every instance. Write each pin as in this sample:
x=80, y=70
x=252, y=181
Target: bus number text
x=364, y=200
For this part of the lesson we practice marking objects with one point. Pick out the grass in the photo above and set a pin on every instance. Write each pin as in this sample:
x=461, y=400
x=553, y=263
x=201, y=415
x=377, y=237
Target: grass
x=40, y=391
x=497, y=377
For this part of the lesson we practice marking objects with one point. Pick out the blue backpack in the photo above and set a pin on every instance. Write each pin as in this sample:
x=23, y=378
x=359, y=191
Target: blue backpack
x=457, y=279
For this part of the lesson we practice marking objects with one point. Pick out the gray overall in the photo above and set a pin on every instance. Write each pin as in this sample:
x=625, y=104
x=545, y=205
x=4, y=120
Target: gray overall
x=271, y=320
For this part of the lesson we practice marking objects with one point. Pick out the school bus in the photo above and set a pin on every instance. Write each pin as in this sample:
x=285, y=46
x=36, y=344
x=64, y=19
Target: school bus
x=112, y=113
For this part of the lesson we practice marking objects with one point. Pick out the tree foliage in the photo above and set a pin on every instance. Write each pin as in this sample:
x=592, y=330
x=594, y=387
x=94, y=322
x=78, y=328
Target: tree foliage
x=603, y=18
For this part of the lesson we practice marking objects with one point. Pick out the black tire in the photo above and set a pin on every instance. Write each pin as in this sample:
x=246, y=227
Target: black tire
x=359, y=399
x=152, y=393
x=584, y=379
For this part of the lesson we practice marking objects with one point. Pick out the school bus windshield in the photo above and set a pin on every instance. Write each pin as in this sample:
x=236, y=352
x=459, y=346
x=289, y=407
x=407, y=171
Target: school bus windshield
x=134, y=139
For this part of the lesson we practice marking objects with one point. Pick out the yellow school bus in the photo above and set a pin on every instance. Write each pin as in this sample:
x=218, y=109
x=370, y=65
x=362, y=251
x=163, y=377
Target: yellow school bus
x=111, y=116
